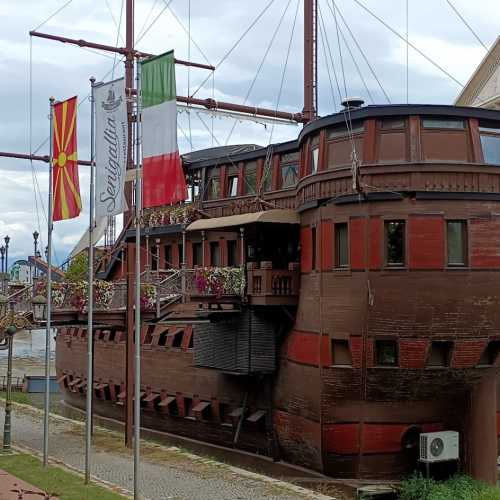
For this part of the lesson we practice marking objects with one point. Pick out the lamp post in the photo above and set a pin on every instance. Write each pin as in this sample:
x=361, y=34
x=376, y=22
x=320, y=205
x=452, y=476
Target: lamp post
x=7, y=240
x=2, y=254
x=35, y=244
x=9, y=337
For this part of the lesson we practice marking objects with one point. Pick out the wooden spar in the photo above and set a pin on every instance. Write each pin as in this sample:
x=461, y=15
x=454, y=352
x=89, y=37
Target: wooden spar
x=45, y=158
x=130, y=54
x=310, y=60
x=118, y=50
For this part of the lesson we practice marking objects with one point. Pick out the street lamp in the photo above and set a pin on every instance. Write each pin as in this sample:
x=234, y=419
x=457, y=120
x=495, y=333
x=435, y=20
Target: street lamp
x=39, y=305
x=2, y=254
x=35, y=244
x=7, y=240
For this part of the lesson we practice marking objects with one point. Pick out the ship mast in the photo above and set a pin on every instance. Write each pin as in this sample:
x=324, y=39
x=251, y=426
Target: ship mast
x=310, y=60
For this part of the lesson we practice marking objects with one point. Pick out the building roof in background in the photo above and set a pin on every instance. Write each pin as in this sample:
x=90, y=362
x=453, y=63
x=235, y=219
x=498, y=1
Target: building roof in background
x=483, y=88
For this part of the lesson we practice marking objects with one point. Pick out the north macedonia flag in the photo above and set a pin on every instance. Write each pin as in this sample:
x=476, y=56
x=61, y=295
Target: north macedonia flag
x=66, y=188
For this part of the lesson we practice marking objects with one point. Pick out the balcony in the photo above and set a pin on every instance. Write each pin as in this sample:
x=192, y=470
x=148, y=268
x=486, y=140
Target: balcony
x=274, y=287
x=262, y=285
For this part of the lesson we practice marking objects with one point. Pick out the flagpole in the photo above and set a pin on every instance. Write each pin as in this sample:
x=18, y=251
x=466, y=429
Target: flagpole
x=49, y=292
x=138, y=212
x=90, y=303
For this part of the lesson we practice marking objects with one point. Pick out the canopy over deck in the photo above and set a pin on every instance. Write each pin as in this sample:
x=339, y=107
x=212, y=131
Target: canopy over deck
x=276, y=216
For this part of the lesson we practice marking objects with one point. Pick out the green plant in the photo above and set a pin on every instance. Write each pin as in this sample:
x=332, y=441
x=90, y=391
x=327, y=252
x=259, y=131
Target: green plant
x=417, y=487
x=78, y=268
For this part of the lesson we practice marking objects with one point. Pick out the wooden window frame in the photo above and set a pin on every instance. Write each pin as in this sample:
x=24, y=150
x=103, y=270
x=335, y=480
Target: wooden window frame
x=336, y=262
x=465, y=243
x=404, y=264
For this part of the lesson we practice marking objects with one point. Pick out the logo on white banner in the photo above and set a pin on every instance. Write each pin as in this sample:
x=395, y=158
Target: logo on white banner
x=111, y=147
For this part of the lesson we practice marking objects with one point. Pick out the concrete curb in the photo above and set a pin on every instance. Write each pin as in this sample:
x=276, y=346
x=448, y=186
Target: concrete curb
x=306, y=493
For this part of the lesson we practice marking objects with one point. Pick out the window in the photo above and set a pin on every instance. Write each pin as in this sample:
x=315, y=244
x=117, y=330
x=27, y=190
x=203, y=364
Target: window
x=213, y=188
x=341, y=245
x=392, y=123
x=232, y=253
x=490, y=354
x=491, y=148
x=386, y=352
x=214, y=254
x=440, y=354
x=232, y=187
x=197, y=254
x=395, y=243
x=267, y=178
x=449, y=123
x=177, y=340
x=289, y=174
x=251, y=178
x=314, y=159
x=168, y=256
x=341, y=132
x=313, y=238
x=341, y=354
x=456, y=239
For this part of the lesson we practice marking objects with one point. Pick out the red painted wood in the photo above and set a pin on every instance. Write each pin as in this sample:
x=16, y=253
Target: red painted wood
x=176, y=258
x=276, y=174
x=369, y=353
x=322, y=150
x=357, y=239
x=376, y=242
x=485, y=242
x=189, y=254
x=303, y=347
x=341, y=438
x=306, y=249
x=326, y=245
x=223, y=181
x=206, y=253
x=326, y=352
x=241, y=179
x=369, y=141
x=260, y=171
x=426, y=242
x=356, y=348
x=415, y=141
x=466, y=353
x=475, y=140
x=413, y=353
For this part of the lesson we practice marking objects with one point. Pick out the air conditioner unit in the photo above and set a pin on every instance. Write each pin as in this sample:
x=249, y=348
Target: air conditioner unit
x=439, y=446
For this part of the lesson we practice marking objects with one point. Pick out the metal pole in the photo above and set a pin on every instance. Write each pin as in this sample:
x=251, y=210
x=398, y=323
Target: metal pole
x=183, y=264
x=49, y=297
x=7, y=421
x=137, y=370
x=90, y=306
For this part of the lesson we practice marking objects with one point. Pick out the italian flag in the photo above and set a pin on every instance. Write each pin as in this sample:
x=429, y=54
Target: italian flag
x=163, y=177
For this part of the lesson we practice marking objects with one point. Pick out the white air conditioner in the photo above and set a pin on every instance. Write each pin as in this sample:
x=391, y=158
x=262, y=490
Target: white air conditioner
x=439, y=446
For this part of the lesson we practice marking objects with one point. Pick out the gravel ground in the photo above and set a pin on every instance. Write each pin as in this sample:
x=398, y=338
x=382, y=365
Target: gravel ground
x=166, y=473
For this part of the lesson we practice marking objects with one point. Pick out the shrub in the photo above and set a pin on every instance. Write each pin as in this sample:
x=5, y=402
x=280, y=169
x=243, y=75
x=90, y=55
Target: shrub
x=457, y=488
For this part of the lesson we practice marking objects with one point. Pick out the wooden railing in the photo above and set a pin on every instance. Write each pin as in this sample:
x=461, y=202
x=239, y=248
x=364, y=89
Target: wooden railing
x=272, y=286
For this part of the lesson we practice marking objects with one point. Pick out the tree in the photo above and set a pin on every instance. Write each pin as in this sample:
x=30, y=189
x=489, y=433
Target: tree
x=78, y=268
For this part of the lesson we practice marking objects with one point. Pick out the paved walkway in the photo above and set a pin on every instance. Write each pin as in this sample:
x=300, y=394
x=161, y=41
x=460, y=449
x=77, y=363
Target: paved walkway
x=167, y=472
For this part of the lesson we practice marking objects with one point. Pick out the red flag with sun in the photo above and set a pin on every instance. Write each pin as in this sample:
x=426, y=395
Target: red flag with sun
x=65, y=185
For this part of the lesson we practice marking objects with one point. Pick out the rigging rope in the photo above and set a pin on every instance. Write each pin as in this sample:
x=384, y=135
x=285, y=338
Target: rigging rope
x=117, y=25
x=259, y=69
x=118, y=28
x=230, y=51
x=154, y=21
x=268, y=159
x=466, y=24
x=148, y=17
x=416, y=49
x=53, y=15
x=189, y=73
x=337, y=8
x=322, y=39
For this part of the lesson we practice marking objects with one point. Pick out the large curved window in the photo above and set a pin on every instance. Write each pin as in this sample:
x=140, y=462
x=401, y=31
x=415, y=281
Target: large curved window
x=490, y=143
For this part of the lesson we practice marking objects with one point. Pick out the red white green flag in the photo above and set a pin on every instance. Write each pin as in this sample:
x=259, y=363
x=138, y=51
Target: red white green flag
x=163, y=177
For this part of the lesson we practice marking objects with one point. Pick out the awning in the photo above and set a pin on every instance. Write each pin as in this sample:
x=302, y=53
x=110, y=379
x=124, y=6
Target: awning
x=256, y=416
x=201, y=406
x=276, y=216
x=151, y=397
x=167, y=401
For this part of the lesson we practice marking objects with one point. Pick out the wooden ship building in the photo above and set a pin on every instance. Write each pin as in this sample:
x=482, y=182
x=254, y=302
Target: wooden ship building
x=321, y=301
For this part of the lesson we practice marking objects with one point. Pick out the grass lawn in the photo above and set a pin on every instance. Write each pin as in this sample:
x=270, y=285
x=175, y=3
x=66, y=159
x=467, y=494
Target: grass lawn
x=53, y=480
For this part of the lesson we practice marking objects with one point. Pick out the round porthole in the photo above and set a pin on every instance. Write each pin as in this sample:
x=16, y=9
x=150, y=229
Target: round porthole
x=410, y=438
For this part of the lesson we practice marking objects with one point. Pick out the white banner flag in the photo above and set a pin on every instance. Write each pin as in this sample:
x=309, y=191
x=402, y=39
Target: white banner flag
x=110, y=148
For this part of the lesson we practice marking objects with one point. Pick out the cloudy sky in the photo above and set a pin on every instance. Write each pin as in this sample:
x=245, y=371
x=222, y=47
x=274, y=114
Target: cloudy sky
x=63, y=70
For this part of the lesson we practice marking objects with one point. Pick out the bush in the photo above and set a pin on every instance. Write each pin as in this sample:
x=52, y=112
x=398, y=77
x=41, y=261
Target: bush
x=78, y=268
x=457, y=488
